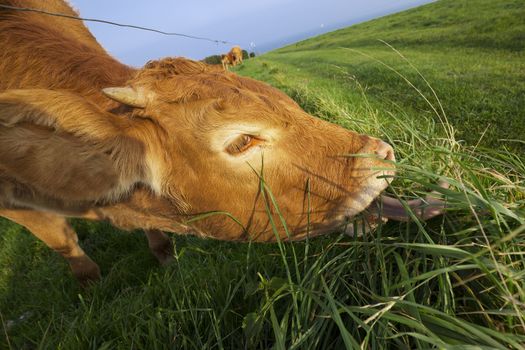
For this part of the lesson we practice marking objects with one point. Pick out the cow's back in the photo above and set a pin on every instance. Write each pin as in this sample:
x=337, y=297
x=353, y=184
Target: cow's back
x=43, y=51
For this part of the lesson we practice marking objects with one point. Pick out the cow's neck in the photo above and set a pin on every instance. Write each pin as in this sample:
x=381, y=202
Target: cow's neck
x=39, y=54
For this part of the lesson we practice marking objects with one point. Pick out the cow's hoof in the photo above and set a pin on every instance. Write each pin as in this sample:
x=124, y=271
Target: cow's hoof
x=85, y=270
x=163, y=252
x=87, y=279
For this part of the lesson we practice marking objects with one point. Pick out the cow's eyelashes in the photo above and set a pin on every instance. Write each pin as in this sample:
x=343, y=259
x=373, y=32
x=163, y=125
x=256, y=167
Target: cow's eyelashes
x=242, y=143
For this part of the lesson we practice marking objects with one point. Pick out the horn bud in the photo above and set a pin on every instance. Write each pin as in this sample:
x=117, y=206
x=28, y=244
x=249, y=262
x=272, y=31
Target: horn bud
x=127, y=95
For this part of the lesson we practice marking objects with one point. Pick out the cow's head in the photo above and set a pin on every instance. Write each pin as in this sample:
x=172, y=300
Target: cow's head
x=202, y=139
x=229, y=144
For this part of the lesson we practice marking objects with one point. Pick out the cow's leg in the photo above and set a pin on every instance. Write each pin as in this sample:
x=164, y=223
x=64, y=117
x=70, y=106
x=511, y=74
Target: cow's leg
x=160, y=245
x=56, y=232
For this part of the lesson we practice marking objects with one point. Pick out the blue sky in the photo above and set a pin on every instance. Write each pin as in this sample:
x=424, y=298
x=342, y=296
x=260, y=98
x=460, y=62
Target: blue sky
x=254, y=25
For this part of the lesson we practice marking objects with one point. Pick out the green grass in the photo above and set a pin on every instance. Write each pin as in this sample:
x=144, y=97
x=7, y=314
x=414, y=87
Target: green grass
x=472, y=53
x=456, y=282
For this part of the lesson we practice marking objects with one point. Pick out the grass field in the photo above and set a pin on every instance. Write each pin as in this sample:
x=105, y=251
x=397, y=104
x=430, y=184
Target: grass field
x=446, y=87
x=471, y=53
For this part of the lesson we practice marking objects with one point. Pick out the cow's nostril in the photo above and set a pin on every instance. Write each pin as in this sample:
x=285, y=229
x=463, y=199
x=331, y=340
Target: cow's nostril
x=385, y=151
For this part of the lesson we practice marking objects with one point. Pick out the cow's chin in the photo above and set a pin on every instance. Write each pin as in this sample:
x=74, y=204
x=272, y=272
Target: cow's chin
x=358, y=201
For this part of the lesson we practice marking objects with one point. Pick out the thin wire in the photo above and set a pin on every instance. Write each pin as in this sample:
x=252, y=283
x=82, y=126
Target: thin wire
x=28, y=9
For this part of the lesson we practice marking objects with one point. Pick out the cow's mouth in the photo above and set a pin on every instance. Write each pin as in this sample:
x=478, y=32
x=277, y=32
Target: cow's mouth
x=422, y=208
x=361, y=216
x=386, y=207
x=376, y=170
x=380, y=209
x=376, y=207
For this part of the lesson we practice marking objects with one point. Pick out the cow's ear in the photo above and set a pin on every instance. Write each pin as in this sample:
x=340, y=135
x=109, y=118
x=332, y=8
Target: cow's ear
x=60, y=145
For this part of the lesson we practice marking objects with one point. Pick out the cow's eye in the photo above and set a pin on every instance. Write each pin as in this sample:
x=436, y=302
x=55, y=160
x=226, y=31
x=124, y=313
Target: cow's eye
x=242, y=143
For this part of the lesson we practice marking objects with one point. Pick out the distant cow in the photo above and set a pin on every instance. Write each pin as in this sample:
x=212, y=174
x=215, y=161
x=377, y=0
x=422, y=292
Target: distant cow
x=227, y=60
x=177, y=146
x=232, y=58
x=236, y=54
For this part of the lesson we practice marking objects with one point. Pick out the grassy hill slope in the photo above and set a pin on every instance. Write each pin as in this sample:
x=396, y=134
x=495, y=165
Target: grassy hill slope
x=471, y=53
x=456, y=282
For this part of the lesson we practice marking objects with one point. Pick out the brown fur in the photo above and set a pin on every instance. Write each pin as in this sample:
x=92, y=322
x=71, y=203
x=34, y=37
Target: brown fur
x=236, y=54
x=202, y=142
x=227, y=61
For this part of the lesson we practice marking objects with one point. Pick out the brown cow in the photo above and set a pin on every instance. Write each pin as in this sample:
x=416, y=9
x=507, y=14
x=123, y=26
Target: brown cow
x=236, y=54
x=82, y=135
x=227, y=60
x=232, y=58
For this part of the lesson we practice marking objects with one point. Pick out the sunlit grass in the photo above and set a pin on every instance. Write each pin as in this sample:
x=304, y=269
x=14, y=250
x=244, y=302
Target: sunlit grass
x=454, y=282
